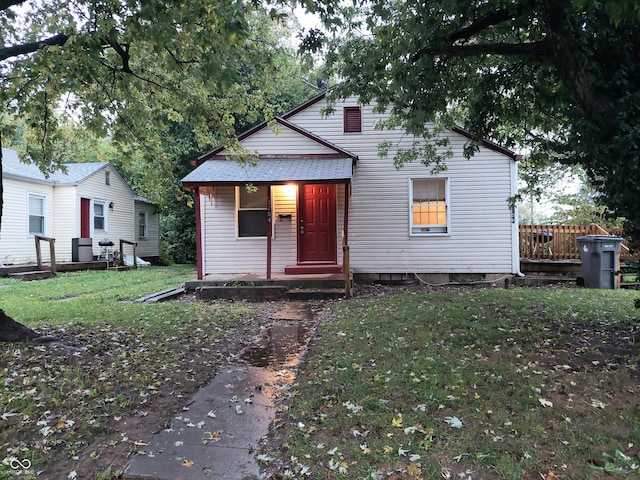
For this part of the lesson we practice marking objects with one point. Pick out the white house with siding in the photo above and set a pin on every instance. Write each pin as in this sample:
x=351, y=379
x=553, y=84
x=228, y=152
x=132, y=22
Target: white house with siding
x=89, y=200
x=317, y=184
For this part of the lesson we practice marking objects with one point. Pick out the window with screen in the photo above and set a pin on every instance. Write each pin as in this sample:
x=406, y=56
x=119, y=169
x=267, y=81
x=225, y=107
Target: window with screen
x=252, y=211
x=429, y=206
x=142, y=224
x=99, y=216
x=36, y=214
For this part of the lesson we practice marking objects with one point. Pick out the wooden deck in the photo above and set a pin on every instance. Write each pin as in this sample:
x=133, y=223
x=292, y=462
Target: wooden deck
x=9, y=270
x=559, y=242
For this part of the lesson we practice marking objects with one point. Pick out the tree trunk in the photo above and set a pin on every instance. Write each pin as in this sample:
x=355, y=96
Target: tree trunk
x=12, y=331
x=1, y=181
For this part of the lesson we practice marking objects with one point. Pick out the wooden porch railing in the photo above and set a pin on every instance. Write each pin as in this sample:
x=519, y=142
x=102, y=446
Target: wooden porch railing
x=134, y=245
x=558, y=242
x=52, y=251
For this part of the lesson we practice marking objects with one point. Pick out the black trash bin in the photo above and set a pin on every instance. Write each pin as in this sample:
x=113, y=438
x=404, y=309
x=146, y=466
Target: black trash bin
x=599, y=256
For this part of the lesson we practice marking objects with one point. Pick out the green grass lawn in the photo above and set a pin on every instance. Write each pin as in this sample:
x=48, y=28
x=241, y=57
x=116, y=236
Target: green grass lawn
x=451, y=383
x=70, y=410
x=469, y=383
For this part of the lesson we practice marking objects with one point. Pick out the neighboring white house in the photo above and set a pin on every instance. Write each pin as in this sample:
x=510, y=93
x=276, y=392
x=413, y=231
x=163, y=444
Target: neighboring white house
x=321, y=185
x=90, y=200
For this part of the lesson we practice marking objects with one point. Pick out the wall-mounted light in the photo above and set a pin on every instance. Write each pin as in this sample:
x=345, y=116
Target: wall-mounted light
x=289, y=190
x=110, y=205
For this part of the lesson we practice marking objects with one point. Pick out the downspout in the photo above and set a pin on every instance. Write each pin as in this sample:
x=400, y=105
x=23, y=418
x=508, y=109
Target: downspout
x=346, y=254
x=515, y=230
x=199, y=252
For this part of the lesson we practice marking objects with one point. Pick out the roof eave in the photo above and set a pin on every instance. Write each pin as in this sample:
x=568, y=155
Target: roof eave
x=487, y=143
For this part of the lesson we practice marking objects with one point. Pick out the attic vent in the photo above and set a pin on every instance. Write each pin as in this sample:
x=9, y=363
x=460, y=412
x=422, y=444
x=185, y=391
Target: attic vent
x=352, y=119
x=107, y=178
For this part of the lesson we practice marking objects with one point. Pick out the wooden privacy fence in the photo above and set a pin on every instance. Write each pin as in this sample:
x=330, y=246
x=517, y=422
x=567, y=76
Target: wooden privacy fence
x=558, y=242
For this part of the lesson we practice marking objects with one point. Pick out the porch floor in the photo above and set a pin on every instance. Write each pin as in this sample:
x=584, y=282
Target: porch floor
x=257, y=287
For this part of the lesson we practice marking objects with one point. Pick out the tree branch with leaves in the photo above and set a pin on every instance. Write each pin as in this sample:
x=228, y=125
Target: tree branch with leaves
x=558, y=78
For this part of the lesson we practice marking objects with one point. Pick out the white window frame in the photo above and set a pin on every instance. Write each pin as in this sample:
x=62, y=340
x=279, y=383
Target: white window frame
x=144, y=213
x=107, y=177
x=105, y=216
x=430, y=230
x=42, y=197
x=238, y=209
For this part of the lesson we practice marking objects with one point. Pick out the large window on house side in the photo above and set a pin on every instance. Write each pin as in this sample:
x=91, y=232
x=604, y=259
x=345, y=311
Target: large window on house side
x=36, y=214
x=429, y=206
x=99, y=216
x=352, y=119
x=252, y=211
x=142, y=224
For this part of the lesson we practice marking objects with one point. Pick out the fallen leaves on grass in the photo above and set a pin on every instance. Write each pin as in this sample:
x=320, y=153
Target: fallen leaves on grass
x=58, y=400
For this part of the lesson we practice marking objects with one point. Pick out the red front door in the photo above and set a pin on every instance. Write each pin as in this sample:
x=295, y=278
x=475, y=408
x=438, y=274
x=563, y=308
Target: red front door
x=85, y=217
x=317, y=237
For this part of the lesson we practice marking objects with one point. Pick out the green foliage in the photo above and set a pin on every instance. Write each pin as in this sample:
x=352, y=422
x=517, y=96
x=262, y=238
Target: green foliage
x=560, y=78
x=146, y=87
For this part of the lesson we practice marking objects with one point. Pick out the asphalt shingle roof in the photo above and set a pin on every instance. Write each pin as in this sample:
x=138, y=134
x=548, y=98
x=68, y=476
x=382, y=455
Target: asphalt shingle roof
x=272, y=170
x=76, y=172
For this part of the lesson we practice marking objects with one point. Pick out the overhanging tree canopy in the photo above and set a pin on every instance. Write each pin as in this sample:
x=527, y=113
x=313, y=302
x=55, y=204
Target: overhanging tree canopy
x=118, y=65
x=134, y=70
x=558, y=77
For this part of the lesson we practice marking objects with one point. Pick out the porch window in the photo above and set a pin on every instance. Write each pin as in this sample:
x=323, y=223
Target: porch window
x=352, y=119
x=429, y=206
x=99, y=216
x=252, y=211
x=142, y=224
x=36, y=214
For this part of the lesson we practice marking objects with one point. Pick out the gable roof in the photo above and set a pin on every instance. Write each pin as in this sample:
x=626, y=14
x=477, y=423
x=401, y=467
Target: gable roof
x=287, y=124
x=13, y=167
x=321, y=96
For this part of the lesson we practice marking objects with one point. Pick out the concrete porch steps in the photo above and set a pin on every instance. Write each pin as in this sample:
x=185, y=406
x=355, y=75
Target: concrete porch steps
x=314, y=293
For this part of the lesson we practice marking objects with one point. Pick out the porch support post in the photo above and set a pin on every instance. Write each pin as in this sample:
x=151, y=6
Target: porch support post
x=345, y=238
x=269, y=232
x=346, y=255
x=198, y=234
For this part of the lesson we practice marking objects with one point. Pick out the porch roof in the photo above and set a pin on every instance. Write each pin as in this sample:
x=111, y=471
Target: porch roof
x=271, y=170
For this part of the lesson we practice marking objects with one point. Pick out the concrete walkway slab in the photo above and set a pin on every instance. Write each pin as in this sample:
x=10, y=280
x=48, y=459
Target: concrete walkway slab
x=218, y=433
x=216, y=436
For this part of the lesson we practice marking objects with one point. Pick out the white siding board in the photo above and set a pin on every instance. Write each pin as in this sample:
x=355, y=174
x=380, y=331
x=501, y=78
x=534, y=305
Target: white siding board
x=63, y=216
x=480, y=235
x=16, y=245
x=121, y=220
x=284, y=141
x=65, y=220
x=150, y=246
x=225, y=253
x=480, y=229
